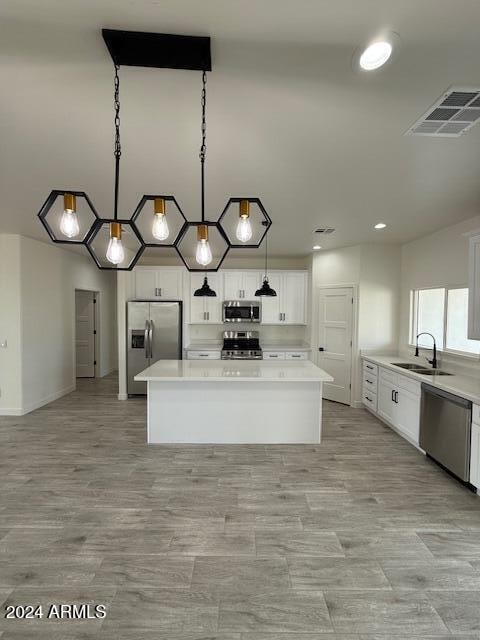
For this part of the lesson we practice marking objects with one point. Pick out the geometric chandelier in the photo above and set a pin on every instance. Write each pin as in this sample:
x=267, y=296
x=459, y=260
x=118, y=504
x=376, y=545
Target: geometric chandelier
x=158, y=221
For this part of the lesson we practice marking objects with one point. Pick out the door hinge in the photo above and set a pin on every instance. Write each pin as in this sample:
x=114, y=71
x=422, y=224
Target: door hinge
x=94, y=362
x=94, y=332
x=352, y=300
x=94, y=301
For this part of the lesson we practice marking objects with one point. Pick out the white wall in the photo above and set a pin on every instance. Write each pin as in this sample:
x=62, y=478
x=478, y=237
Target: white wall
x=10, y=320
x=46, y=277
x=438, y=259
x=375, y=272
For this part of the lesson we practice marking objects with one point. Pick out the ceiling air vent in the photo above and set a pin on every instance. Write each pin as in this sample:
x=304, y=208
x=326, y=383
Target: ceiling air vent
x=452, y=115
x=324, y=230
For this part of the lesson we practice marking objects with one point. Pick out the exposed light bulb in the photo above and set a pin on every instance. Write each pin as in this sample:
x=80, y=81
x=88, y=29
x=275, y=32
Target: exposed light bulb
x=160, y=228
x=115, y=251
x=69, y=224
x=204, y=253
x=244, y=229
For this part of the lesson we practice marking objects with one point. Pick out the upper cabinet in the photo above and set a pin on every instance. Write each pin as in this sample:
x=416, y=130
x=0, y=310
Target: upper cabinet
x=290, y=304
x=241, y=285
x=158, y=283
x=474, y=289
x=205, y=310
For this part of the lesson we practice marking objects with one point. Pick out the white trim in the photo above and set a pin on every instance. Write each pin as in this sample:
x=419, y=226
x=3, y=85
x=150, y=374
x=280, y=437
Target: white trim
x=122, y=396
x=39, y=403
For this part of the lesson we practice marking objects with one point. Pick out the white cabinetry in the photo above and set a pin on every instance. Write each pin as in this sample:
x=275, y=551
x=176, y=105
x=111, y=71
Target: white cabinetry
x=474, y=289
x=209, y=354
x=240, y=285
x=289, y=305
x=285, y=355
x=398, y=399
x=204, y=310
x=160, y=283
x=475, y=448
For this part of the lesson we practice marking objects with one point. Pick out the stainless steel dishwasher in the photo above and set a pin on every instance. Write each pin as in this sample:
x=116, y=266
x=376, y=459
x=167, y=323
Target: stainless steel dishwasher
x=445, y=430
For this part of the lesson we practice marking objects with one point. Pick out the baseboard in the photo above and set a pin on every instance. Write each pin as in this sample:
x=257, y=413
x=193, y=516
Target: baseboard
x=6, y=411
x=357, y=404
x=47, y=400
x=122, y=396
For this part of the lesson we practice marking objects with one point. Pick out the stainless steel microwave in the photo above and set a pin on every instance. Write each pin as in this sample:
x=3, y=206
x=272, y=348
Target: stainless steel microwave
x=242, y=311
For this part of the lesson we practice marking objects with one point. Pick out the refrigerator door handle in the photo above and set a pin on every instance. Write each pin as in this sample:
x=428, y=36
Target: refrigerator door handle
x=145, y=338
x=150, y=338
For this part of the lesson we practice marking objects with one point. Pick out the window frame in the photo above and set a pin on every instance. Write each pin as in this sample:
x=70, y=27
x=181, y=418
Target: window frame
x=413, y=320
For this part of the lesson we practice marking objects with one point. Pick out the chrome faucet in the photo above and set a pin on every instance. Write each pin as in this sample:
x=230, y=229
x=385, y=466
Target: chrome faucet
x=433, y=361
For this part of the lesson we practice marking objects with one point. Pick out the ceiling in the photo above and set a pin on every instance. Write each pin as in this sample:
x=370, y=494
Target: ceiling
x=288, y=120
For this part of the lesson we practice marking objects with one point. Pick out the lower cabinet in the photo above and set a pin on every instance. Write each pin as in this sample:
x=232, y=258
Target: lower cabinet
x=475, y=456
x=203, y=355
x=399, y=403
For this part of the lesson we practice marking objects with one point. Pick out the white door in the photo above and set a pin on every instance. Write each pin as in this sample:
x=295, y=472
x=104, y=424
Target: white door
x=233, y=285
x=335, y=336
x=197, y=305
x=251, y=282
x=168, y=284
x=271, y=306
x=293, y=297
x=407, y=419
x=213, y=306
x=386, y=406
x=145, y=283
x=85, y=333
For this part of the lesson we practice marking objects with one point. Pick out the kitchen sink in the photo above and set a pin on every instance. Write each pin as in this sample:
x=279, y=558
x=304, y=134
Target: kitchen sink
x=419, y=369
x=432, y=372
x=409, y=365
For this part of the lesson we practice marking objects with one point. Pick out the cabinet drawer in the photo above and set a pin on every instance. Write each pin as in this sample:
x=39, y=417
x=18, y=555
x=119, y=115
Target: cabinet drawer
x=476, y=413
x=388, y=376
x=295, y=355
x=413, y=386
x=369, y=399
x=369, y=367
x=370, y=382
x=274, y=355
x=203, y=355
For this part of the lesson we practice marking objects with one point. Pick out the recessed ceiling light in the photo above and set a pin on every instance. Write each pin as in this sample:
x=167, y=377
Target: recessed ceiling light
x=375, y=55
x=380, y=225
x=377, y=52
x=316, y=247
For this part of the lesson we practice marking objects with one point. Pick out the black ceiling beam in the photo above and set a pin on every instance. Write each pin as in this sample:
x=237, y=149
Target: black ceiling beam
x=159, y=50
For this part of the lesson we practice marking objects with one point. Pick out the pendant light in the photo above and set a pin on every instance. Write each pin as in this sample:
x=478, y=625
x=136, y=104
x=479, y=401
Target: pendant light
x=203, y=245
x=266, y=289
x=205, y=291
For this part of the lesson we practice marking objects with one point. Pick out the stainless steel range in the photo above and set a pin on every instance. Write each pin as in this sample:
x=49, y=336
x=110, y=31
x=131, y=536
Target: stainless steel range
x=241, y=345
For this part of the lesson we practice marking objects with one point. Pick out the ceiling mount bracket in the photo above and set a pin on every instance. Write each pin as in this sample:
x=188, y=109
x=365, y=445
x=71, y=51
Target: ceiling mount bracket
x=158, y=50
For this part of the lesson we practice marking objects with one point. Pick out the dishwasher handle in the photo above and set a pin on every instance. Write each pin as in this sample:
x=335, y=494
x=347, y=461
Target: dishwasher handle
x=434, y=391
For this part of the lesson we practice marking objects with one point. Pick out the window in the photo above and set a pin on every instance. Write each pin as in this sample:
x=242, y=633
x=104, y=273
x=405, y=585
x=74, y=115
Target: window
x=443, y=312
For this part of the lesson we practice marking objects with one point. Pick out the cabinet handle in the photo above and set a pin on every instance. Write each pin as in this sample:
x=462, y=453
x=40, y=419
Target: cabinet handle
x=273, y=356
x=396, y=397
x=280, y=316
x=369, y=367
x=160, y=292
x=393, y=395
x=208, y=315
x=367, y=398
x=295, y=355
x=369, y=381
x=204, y=315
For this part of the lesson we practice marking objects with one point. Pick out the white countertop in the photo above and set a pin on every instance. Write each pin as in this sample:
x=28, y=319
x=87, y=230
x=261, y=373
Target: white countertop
x=238, y=370
x=463, y=386
x=266, y=346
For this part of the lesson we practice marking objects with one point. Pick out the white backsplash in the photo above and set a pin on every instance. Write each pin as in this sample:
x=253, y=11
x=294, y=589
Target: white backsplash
x=288, y=334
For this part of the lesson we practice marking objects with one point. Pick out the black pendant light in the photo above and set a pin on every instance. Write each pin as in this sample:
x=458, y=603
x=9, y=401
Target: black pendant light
x=205, y=291
x=266, y=289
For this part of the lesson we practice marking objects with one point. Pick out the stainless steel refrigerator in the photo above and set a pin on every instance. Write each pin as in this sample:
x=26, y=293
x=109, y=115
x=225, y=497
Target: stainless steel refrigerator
x=154, y=332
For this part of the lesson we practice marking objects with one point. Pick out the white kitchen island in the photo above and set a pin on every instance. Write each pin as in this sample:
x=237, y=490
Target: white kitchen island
x=226, y=401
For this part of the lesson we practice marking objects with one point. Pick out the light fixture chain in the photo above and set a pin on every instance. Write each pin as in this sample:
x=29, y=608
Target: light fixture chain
x=203, y=148
x=116, y=102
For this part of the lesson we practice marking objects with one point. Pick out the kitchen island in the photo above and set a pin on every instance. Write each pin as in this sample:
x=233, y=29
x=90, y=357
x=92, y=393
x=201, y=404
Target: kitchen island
x=222, y=401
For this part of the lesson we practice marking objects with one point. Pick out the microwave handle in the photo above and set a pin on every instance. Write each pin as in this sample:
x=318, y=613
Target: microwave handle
x=251, y=312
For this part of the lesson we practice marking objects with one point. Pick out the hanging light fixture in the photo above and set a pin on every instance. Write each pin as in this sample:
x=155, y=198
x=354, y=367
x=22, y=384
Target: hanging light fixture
x=203, y=245
x=158, y=221
x=205, y=291
x=266, y=289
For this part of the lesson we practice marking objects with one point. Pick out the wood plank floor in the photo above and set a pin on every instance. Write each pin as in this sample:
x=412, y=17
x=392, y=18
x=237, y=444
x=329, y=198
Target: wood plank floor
x=359, y=538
